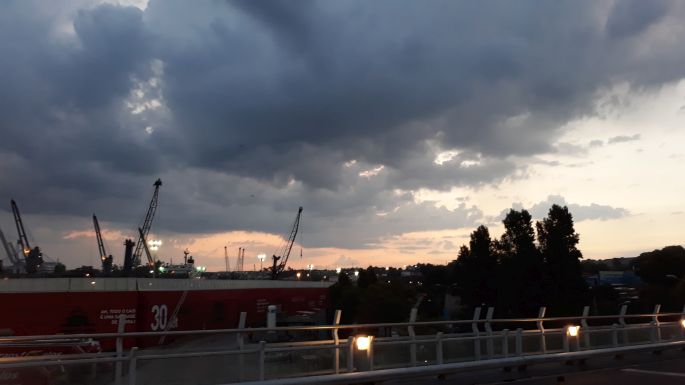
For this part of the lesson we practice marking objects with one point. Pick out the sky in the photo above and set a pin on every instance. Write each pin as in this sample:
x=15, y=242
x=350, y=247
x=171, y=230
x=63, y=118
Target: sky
x=399, y=126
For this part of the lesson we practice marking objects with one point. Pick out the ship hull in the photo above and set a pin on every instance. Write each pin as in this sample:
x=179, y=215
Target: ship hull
x=75, y=305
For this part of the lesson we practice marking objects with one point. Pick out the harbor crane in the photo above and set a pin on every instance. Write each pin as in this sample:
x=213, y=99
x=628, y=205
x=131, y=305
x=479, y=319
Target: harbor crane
x=104, y=258
x=32, y=256
x=12, y=255
x=280, y=261
x=147, y=224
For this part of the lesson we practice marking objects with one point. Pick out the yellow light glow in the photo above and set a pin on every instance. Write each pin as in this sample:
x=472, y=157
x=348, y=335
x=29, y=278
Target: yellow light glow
x=682, y=322
x=362, y=342
x=573, y=331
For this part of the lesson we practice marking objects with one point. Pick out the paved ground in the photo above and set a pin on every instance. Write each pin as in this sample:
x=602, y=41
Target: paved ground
x=638, y=369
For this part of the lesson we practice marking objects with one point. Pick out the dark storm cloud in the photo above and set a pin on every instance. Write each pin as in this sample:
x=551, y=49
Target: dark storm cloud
x=260, y=104
x=631, y=17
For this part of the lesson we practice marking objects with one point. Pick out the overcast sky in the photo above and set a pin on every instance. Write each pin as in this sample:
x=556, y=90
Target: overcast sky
x=399, y=126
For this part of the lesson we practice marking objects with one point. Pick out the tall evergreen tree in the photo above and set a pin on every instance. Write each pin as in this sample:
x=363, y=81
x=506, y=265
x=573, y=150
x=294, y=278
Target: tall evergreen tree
x=565, y=287
x=485, y=262
x=520, y=290
x=476, y=266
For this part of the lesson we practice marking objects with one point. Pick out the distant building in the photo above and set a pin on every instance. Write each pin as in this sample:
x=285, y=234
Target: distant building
x=625, y=283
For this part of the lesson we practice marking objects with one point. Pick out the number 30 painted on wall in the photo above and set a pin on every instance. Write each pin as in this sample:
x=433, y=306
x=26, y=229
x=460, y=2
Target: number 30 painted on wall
x=159, y=317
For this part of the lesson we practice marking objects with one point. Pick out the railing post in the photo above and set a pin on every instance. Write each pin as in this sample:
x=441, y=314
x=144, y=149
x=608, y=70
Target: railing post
x=655, y=321
x=584, y=326
x=350, y=354
x=541, y=327
x=614, y=335
x=262, y=359
x=241, y=344
x=438, y=348
x=519, y=342
x=132, y=364
x=682, y=325
x=567, y=343
x=622, y=322
x=488, y=329
x=121, y=327
x=412, y=336
x=369, y=352
x=476, y=333
x=505, y=343
x=336, y=340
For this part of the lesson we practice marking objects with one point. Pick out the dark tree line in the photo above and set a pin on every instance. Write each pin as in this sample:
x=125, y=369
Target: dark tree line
x=663, y=273
x=529, y=266
x=516, y=274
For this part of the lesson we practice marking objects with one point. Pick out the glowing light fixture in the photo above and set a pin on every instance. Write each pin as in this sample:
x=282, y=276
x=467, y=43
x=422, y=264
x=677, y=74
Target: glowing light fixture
x=338, y=270
x=154, y=244
x=363, y=342
x=682, y=322
x=573, y=330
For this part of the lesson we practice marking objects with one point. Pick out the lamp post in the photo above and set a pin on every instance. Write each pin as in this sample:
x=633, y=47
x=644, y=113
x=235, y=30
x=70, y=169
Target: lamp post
x=261, y=258
x=154, y=245
x=571, y=334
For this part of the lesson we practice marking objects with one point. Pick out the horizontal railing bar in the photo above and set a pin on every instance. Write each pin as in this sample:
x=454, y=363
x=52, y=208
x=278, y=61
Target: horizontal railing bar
x=196, y=354
x=325, y=327
x=302, y=343
x=55, y=357
x=63, y=362
x=303, y=348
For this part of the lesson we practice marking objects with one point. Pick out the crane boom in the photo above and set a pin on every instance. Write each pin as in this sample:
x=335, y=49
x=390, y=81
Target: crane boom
x=23, y=240
x=104, y=258
x=277, y=267
x=32, y=256
x=147, y=224
x=98, y=237
x=9, y=250
x=150, y=260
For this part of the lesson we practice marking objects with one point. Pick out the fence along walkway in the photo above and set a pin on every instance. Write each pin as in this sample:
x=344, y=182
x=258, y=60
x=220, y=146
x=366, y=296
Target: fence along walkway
x=351, y=353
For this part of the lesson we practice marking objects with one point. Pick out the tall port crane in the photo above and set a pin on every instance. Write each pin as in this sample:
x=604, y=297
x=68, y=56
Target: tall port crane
x=32, y=256
x=104, y=258
x=278, y=267
x=12, y=255
x=147, y=224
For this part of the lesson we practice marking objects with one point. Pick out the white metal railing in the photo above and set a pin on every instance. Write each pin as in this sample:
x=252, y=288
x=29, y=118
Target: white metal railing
x=488, y=340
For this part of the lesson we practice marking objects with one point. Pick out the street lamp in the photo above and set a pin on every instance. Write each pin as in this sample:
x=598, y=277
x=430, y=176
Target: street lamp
x=338, y=270
x=572, y=332
x=261, y=258
x=154, y=244
x=310, y=267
